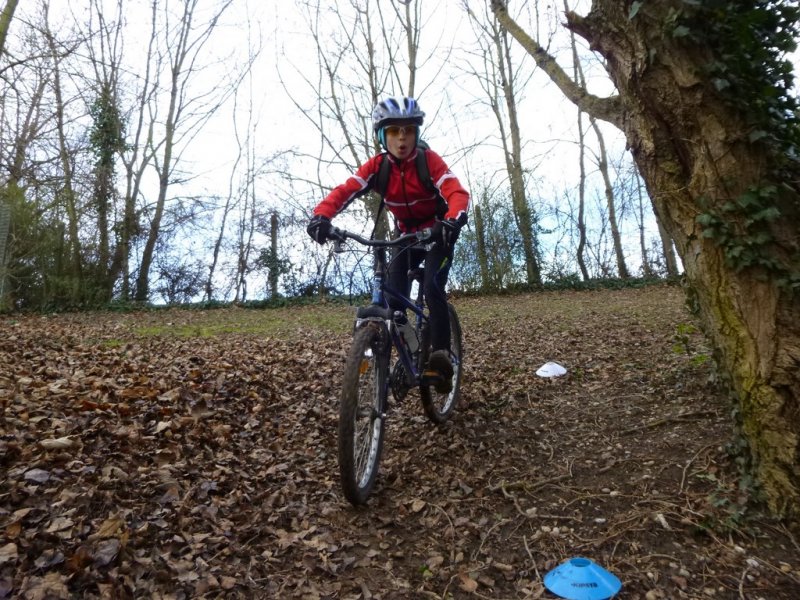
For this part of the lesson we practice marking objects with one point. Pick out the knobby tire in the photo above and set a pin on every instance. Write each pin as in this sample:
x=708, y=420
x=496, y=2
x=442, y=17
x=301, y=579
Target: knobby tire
x=363, y=405
x=440, y=407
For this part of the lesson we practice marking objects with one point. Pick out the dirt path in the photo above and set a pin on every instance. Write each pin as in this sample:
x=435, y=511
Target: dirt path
x=192, y=454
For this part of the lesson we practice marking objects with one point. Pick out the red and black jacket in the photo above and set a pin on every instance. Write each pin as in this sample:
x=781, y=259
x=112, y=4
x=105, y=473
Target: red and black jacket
x=407, y=198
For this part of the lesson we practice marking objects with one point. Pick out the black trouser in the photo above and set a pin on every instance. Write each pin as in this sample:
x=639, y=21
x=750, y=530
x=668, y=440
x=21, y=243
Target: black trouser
x=437, y=267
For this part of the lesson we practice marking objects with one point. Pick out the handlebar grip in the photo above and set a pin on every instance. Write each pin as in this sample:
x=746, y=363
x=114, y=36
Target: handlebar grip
x=336, y=235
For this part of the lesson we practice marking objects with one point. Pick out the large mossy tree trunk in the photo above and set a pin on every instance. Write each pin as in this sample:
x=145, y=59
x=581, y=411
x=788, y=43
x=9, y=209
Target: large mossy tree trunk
x=5, y=21
x=705, y=171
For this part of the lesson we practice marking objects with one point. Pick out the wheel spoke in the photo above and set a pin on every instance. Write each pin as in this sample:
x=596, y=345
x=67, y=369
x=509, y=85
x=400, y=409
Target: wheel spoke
x=440, y=406
x=361, y=422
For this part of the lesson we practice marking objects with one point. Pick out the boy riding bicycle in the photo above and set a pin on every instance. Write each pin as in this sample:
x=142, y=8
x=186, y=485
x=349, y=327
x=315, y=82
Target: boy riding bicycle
x=415, y=205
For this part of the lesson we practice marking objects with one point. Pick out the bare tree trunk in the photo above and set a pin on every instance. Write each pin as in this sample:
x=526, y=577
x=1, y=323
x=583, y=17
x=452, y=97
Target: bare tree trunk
x=215, y=251
x=67, y=192
x=578, y=76
x=582, y=198
x=522, y=210
x=499, y=77
x=5, y=226
x=164, y=170
x=480, y=236
x=668, y=248
x=274, y=271
x=412, y=42
x=691, y=145
x=602, y=163
x=229, y=205
x=184, y=50
x=107, y=136
x=647, y=269
x=247, y=225
x=136, y=163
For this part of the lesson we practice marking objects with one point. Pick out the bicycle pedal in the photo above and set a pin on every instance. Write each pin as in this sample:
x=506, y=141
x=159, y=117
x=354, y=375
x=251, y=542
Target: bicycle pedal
x=437, y=381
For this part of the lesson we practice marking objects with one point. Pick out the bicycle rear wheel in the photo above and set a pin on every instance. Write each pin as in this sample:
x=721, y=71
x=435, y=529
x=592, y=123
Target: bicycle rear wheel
x=362, y=411
x=439, y=407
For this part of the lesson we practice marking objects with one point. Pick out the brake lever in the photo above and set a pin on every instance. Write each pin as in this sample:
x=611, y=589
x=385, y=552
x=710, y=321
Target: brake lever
x=335, y=236
x=424, y=238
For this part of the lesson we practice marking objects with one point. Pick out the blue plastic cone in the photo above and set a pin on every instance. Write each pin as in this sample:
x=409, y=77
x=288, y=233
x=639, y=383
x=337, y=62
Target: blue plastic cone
x=581, y=579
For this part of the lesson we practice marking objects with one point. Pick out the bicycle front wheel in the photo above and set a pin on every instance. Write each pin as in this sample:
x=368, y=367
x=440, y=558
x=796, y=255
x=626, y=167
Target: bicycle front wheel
x=362, y=411
x=438, y=406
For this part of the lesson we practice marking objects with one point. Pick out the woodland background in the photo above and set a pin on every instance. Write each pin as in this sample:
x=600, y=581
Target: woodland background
x=171, y=152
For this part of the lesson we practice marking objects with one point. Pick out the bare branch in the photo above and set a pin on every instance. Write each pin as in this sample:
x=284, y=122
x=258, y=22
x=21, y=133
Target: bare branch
x=607, y=109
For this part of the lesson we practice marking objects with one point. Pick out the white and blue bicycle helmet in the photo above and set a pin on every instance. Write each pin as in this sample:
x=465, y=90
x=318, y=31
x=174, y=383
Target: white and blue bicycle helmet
x=399, y=110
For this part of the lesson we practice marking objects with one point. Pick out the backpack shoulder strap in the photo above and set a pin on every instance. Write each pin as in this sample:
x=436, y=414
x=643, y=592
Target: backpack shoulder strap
x=382, y=176
x=423, y=172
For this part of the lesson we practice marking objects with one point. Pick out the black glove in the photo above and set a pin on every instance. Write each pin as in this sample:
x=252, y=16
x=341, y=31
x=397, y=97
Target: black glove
x=318, y=228
x=446, y=232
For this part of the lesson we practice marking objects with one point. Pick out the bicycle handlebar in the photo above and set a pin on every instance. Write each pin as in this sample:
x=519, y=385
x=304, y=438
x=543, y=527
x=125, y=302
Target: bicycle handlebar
x=340, y=235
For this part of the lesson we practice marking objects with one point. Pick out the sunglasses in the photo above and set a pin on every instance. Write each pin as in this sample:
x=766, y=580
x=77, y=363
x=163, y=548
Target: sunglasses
x=397, y=130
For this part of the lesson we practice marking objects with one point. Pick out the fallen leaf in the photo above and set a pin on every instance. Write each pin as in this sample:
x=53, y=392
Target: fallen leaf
x=106, y=551
x=13, y=530
x=8, y=553
x=49, y=587
x=59, y=524
x=49, y=558
x=37, y=475
x=467, y=583
x=111, y=527
x=227, y=583
x=61, y=443
x=435, y=561
x=79, y=560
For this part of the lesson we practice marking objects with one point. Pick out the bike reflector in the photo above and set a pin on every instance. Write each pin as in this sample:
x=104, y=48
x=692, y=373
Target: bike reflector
x=582, y=579
x=551, y=369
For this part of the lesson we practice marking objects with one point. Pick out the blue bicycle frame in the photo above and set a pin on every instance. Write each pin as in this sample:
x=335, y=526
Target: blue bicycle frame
x=379, y=308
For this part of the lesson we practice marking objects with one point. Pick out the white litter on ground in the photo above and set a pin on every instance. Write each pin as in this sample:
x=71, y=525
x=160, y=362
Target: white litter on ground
x=551, y=369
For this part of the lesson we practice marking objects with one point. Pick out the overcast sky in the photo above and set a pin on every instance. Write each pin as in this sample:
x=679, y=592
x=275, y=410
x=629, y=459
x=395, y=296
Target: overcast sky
x=444, y=89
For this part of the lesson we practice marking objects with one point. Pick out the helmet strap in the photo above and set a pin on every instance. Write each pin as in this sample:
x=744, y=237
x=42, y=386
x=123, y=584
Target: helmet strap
x=382, y=137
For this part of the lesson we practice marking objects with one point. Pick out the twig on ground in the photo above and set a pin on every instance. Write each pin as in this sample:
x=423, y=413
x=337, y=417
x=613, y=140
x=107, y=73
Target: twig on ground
x=785, y=531
x=486, y=537
x=532, y=487
x=741, y=582
x=530, y=555
x=452, y=528
x=665, y=420
x=689, y=464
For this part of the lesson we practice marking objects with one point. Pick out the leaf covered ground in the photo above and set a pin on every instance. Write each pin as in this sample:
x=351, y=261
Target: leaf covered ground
x=192, y=454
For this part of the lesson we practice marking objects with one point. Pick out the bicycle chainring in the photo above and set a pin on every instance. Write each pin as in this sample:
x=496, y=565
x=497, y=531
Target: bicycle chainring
x=398, y=382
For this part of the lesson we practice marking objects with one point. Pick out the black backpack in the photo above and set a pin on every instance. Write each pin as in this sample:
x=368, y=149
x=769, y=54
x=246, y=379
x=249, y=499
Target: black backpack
x=424, y=174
